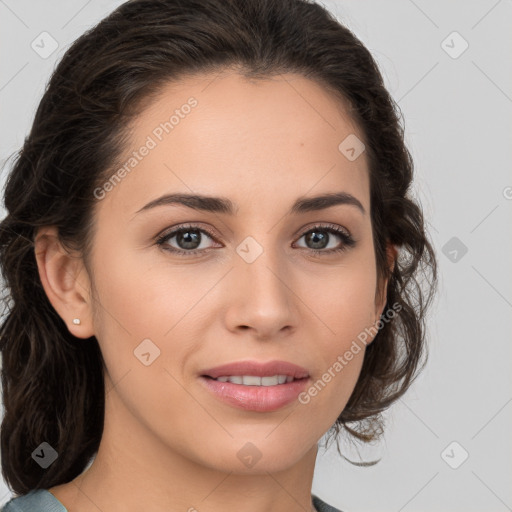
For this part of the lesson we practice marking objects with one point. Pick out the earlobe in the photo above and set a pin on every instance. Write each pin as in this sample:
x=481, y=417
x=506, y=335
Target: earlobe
x=65, y=281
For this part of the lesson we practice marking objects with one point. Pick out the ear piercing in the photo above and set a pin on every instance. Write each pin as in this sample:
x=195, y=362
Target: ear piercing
x=76, y=321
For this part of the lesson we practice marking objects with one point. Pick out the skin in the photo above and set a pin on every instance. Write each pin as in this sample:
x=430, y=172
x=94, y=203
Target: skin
x=168, y=444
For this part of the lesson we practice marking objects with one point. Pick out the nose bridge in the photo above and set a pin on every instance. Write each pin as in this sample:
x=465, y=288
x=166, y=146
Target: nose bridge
x=261, y=264
x=261, y=274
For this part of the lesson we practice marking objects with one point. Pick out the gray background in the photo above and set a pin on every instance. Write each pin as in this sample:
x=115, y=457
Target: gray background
x=457, y=111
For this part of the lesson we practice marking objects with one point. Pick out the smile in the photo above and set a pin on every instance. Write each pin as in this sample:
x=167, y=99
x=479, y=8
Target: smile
x=253, y=380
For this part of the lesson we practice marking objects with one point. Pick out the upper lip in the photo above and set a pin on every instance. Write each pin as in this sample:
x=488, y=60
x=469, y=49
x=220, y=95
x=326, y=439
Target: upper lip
x=257, y=369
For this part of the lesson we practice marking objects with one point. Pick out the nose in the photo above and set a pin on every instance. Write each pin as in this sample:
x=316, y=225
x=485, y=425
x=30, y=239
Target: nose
x=261, y=295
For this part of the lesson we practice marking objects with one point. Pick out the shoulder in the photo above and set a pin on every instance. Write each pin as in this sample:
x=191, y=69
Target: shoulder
x=321, y=506
x=38, y=500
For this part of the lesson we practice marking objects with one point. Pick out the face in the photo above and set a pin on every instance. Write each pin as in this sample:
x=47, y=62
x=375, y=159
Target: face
x=262, y=283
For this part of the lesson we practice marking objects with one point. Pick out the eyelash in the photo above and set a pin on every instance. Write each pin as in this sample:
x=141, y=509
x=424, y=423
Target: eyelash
x=347, y=240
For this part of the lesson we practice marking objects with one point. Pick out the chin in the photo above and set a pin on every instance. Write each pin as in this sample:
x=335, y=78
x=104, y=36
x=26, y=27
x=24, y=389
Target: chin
x=246, y=456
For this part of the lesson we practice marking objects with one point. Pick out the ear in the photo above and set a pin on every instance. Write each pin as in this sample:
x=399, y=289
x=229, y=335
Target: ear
x=382, y=289
x=380, y=298
x=65, y=281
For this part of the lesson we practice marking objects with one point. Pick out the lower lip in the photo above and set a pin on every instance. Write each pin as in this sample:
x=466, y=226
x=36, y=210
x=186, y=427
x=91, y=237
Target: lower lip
x=256, y=398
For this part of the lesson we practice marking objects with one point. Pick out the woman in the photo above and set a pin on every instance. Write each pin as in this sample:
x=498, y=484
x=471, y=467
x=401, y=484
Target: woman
x=211, y=260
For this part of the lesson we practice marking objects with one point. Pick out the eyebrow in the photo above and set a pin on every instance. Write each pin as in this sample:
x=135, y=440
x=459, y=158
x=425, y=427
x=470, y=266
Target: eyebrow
x=226, y=206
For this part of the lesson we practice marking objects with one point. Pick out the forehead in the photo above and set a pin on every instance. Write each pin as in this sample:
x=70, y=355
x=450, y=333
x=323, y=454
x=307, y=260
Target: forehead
x=227, y=135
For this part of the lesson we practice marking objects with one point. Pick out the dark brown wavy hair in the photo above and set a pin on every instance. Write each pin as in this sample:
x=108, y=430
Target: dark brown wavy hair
x=52, y=382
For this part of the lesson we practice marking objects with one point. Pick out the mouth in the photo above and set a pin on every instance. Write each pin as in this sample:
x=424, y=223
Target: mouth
x=254, y=380
x=253, y=386
x=251, y=371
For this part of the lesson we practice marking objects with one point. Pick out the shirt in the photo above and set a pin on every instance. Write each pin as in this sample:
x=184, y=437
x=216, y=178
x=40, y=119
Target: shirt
x=41, y=500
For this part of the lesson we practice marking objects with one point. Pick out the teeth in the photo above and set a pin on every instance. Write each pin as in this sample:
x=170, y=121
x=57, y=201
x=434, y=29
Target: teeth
x=252, y=380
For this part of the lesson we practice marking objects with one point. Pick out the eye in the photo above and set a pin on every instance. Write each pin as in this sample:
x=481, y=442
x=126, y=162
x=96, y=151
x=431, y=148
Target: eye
x=188, y=238
x=318, y=238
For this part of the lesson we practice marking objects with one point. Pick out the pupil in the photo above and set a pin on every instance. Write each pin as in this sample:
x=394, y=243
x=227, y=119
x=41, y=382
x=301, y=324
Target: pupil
x=188, y=239
x=315, y=237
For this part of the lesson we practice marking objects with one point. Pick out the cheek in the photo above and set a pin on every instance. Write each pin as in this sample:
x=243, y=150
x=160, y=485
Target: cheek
x=145, y=314
x=326, y=397
x=137, y=312
x=135, y=299
x=344, y=304
x=125, y=308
